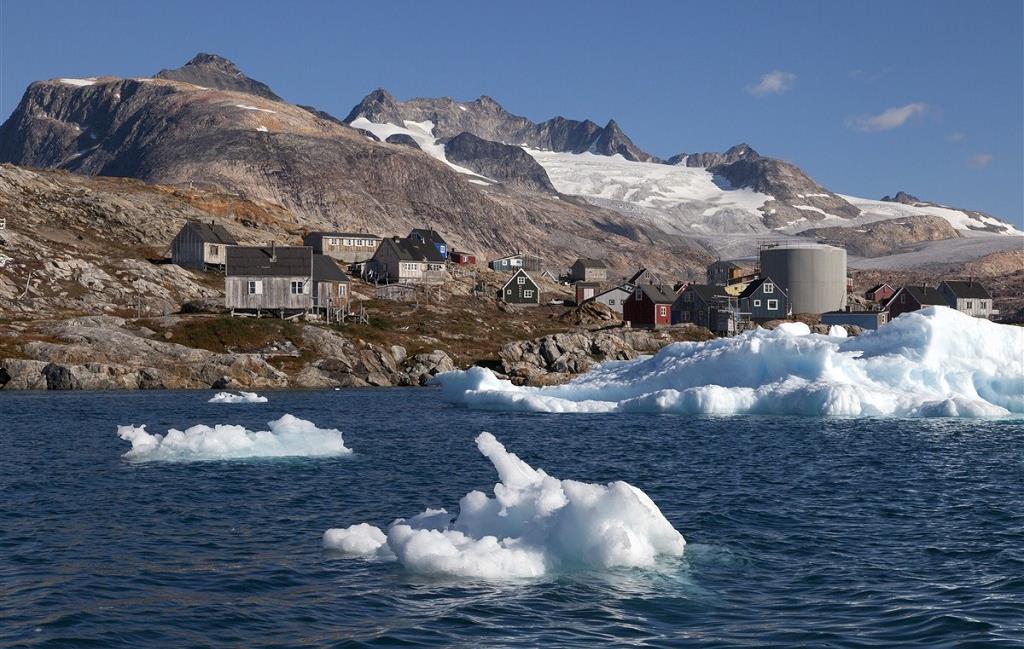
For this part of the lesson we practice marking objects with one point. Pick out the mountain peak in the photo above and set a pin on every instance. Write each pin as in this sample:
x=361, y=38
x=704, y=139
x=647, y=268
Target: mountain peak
x=214, y=71
x=378, y=106
x=902, y=197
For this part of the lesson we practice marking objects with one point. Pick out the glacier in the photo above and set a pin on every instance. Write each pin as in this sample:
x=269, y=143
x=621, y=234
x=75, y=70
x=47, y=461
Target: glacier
x=288, y=436
x=936, y=362
x=534, y=525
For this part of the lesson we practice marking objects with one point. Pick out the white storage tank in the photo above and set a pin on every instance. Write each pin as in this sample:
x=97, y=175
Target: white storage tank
x=813, y=275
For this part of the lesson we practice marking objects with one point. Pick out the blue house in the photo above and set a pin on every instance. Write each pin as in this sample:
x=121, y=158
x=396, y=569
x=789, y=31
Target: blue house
x=430, y=237
x=764, y=300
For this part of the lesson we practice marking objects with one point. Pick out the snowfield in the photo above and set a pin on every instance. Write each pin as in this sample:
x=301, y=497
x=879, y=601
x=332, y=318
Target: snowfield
x=932, y=363
x=288, y=436
x=535, y=524
x=421, y=132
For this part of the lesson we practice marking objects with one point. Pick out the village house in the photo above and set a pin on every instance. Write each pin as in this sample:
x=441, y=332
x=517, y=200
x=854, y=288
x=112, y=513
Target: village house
x=512, y=263
x=430, y=237
x=586, y=291
x=720, y=273
x=331, y=286
x=644, y=276
x=880, y=293
x=649, y=306
x=614, y=297
x=520, y=289
x=764, y=300
x=698, y=304
x=201, y=245
x=275, y=279
x=406, y=260
x=970, y=297
x=913, y=298
x=462, y=258
x=585, y=269
x=347, y=247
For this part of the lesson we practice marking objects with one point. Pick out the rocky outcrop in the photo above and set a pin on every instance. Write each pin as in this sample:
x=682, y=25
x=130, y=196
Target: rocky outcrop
x=558, y=357
x=902, y=197
x=887, y=237
x=507, y=164
x=212, y=71
x=712, y=159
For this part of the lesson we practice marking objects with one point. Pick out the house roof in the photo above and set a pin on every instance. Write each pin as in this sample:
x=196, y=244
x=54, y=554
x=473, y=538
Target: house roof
x=970, y=289
x=879, y=286
x=212, y=233
x=640, y=273
x=347, y=235
x=707, y=291
x=270, y=261
x=658, y=293
x=756, y=284
x=623, y=289
x=429, y=235
x=325, y=269
x=517, y=274
x=513, y=256
x=413, y=250
x=589, y=262
x=923, y=295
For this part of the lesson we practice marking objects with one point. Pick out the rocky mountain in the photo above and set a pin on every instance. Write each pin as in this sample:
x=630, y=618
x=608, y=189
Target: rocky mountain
x=505, y=163
x=487, y=119
x=902, y=197
x=212, y=71
x=325, y=173
x=885, y=237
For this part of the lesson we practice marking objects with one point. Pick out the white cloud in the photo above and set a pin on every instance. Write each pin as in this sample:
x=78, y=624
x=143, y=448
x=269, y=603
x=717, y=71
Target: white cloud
x=979, y=161
x=956, y=137
x=773, y=83
x=888, y=119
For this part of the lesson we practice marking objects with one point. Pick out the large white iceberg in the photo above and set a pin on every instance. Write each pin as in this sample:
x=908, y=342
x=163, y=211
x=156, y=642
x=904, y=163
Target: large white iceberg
x=288, y=436
x=241, y=397
x=534, y=525
x=934, y=362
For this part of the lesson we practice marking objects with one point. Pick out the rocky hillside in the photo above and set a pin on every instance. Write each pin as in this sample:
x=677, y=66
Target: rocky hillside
x=325, y=173
x=886, y=237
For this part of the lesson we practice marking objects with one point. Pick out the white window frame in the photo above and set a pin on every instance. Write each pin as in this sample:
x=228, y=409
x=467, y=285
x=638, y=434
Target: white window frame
x=773, y=305
x=768, y=287
x=520, y=280
x=254, y=287
x=662, y=310
x=757, y=302
x=527, y=293
x=297, y=284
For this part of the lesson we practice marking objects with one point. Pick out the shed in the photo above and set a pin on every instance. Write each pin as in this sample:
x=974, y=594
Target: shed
x=330, y=283
x=863, y=319
x=201, y=245
x=880, y=293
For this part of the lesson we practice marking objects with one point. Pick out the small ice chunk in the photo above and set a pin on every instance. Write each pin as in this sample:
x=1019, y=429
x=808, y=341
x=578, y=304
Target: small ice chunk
x=241, y=397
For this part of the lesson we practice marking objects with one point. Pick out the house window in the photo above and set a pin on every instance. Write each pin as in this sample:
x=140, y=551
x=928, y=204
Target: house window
x=254, y=287
x=517, y=262
x=969, y=304
x=757, y=302
x=527, y=293
x=903, y=298
x=341, y=289
x=768, y=287
x=508, y=291
x=214, y=250
x=298, y=288
x=348, y=242
x=520, y=280
x=662, y=311
x=773, y=305
x=611, y=302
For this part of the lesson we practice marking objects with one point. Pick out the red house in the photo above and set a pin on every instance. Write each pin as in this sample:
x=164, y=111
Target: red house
x=649, y=306
x=913, y=298
x=880, y=293
x=462, y=258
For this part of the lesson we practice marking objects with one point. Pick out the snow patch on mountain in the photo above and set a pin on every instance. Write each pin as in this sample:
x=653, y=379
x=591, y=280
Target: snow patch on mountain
x=421, y=132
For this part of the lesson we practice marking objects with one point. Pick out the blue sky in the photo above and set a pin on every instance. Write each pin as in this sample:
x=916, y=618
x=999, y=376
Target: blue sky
x=867, y=97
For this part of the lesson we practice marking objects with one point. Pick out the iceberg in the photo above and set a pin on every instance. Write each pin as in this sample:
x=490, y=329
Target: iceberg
x=936, y=362
x=288, y=436
x=534, y=525
x=241, y=397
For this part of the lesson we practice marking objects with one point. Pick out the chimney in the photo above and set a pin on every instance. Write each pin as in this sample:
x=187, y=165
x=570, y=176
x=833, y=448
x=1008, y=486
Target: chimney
x=273, y=252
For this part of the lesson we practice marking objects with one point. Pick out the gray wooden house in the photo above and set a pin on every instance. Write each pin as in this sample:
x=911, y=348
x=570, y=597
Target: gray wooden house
x=970, y=297
x=347, y=247
x=614, y=297
x=407, y=260
x=698, y=304
x=520, y=289
x=330, y=284
x=201, y=245
x=275, y=279
x=586, y=269
x=764, y=300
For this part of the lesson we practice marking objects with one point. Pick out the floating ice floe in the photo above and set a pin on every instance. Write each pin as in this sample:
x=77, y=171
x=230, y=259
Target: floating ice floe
x=288, y=436
x=241, y=397
x=936, y=362
x=534, y=525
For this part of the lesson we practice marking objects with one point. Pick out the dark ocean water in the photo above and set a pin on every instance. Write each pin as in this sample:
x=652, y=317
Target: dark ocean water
x=801, y=532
